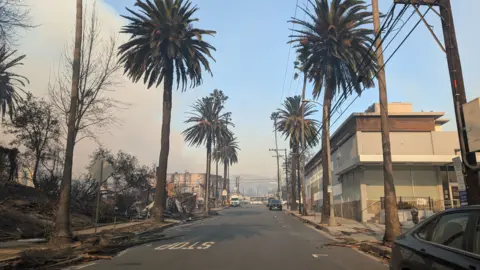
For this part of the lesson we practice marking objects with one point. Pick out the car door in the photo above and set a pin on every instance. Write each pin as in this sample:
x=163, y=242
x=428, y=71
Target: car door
x=448, y=242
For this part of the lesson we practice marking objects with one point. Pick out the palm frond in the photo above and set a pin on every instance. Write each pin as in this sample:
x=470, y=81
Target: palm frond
x=289, y=122
x=10, y=82
x=163, y=44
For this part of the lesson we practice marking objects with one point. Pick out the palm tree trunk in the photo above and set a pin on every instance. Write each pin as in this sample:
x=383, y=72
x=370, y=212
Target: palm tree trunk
x=328, y=215
x=217, y=195
x=160, y=189
x=299, y=183
x=225, y=164
x=392, y=222
x=302, y=156
x=63, y=233
x=293, y=205
x=207, y=176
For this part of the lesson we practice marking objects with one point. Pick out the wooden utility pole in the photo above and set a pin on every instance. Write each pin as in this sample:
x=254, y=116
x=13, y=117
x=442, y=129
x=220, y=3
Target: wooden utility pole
x=392, y=222
x=274, y=117
x=458, y=93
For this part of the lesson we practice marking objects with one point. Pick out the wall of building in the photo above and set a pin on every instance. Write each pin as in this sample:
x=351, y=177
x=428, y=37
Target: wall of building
x=410, y=181
x=409, y=143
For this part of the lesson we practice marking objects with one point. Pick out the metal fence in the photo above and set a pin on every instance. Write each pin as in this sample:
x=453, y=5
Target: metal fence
x=426, y=203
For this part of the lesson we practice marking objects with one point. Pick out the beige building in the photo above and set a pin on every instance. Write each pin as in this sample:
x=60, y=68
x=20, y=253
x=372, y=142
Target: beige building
x=421, y=152
x=195, y=183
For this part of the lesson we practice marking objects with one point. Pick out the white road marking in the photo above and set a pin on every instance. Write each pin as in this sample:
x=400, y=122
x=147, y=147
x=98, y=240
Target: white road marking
x=186, y=246
x=319, y=255
x=85, y=265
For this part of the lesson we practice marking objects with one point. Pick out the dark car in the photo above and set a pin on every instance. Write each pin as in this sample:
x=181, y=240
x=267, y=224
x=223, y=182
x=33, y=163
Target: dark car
x=447, y=240
x=269, y=200
x=275, y=204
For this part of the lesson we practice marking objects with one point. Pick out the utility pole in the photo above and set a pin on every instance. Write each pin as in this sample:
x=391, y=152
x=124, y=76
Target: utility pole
x=274, y=117
x=458, y=93
x=392, y=222
x=279, y=189
x=98, y=195
x=286, y=177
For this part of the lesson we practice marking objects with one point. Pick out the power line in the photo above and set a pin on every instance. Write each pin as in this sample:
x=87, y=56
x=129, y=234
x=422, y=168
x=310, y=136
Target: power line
x=289, y=52
x=342, y=98
x=389, y=58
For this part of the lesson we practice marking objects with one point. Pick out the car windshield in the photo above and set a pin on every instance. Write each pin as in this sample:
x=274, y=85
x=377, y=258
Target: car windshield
x=275, y=202
x=234, y=199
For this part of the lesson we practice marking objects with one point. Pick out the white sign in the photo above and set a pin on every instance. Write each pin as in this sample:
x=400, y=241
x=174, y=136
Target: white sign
x=457, y=164
x=224, y=192
x=96, y=170
x=186, y=246
x=329, y=188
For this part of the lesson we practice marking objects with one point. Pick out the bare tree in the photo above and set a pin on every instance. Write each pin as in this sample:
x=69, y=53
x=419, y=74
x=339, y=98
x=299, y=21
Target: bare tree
x=14, y=15
x=99, y=75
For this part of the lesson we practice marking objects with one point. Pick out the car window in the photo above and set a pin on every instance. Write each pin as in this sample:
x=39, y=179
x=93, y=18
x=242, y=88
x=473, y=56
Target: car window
x=424, y=232
x=450, y=230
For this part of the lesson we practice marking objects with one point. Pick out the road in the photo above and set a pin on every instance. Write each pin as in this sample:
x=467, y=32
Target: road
x=247, y=237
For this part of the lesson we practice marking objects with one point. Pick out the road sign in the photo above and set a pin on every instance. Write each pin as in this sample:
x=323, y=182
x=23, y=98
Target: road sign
x=462, y=190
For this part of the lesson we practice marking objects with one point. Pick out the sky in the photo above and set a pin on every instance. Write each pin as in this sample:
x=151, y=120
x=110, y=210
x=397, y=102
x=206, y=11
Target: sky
x=254, y=67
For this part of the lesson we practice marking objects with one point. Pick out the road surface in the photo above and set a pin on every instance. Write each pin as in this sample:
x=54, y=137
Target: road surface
x=247, y=237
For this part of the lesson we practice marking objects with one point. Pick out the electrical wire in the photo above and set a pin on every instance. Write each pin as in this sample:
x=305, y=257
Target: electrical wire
x=386, y=62
x=289, y=52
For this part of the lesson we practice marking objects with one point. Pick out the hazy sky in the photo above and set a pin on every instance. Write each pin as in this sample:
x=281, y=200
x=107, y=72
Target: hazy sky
x=250, y=66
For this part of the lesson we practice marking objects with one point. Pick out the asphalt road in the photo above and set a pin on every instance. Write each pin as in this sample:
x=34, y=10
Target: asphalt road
x=247, y=237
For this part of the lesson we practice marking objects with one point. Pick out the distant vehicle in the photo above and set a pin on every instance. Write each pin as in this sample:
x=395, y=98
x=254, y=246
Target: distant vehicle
x=269, y=200
x=235, y=201
x=447, y=240
x=275, y=205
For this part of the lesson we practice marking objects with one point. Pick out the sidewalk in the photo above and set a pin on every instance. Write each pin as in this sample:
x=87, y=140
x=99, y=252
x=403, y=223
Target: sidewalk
x=368, y=235
x=13, y=249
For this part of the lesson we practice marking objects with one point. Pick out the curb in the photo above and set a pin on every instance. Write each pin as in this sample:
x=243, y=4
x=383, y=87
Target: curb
x=377, y=249
x=158, y=229
x=316, y=225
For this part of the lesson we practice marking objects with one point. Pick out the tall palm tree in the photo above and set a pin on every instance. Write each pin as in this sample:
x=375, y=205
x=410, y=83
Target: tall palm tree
x=289, y=123
x=164, y=43
x=209, y=122
x=63, y=231
x=10, y=82
x=338, y=58
x=226, y=151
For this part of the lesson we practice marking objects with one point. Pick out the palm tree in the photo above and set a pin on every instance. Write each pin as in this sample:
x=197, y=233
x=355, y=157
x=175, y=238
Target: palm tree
x=289, y=123
x=338, y=58
x=209, y=123
x=164, y=42
x=226, y=151
x=10, y=82
x=63, y=231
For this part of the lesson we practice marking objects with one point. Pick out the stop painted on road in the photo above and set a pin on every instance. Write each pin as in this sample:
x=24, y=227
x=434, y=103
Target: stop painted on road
x=186, y=246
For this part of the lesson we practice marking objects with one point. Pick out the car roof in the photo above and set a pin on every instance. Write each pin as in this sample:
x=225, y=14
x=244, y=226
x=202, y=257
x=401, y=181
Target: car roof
x=462, y=208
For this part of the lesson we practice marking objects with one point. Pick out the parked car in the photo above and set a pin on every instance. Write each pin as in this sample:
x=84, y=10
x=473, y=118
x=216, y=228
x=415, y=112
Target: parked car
x=447, y=240
x=275, y=204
